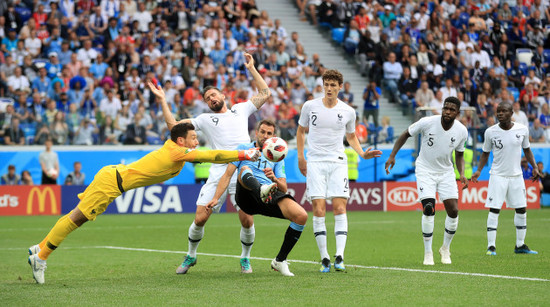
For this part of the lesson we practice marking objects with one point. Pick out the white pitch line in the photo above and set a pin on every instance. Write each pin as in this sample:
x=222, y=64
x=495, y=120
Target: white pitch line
x=313, y=262
x=298, y=261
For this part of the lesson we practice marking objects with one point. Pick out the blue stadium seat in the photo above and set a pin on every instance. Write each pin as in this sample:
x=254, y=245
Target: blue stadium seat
x=338, y=35
x=546, y=54
x=545, y=199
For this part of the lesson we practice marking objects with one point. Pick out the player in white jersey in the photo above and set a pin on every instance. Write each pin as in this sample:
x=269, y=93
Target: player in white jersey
x=225, y=129
x=506, y=140
x=441, y=135
x=329, y=120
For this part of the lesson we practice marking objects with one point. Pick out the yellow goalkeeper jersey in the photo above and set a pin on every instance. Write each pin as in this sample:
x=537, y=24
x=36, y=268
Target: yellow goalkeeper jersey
x=167, y=162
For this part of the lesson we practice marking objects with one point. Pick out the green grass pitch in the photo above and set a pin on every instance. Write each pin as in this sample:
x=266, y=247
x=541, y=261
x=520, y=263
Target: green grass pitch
x=84, y=271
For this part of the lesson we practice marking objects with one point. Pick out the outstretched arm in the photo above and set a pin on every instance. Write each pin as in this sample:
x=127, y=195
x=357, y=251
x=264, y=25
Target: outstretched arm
x=217, y=156
x=354, y=143
x=222, y=185
x=263, y=90
x=168, y=117
x=398, y=144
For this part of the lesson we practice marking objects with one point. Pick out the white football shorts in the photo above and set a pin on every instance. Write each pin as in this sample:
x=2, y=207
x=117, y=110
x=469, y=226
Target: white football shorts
x=327, y=180
x=506, y=189
x=427, y=184
x=208, y=190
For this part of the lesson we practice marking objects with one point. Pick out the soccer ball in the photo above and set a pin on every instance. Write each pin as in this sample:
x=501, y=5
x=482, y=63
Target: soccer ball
x=275, y=149
x=52, y=172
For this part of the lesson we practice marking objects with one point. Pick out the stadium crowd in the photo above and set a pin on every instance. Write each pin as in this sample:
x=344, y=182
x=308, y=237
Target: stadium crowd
x=420, y=52
x=75, y=70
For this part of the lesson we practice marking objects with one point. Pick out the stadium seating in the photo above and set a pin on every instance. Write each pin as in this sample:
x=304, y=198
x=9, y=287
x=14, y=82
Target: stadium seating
x=545, y=199
x=338, y=35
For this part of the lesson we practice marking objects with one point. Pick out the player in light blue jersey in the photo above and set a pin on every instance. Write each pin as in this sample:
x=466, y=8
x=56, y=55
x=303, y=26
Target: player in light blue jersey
x=261, y=189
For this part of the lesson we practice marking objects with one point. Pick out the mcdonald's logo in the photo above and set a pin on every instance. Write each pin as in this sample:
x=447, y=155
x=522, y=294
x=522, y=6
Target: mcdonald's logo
x=41, y=194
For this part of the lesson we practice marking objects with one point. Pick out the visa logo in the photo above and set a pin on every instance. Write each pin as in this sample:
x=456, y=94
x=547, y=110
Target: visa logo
x=150, y=199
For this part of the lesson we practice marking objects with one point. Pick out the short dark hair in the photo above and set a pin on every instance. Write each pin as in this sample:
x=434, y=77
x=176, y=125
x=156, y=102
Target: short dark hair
x=266, y=122
x=453, y=100
x=180, y=130
x=209, y=87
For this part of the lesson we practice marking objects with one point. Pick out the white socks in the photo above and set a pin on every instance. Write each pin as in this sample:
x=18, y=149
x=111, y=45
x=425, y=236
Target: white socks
x=320, y=232
x=247, y=239
x=492, y=225
x=451, y=224
x=195, y=235
x=520, y=220
x=341, y=233
x=427, y=232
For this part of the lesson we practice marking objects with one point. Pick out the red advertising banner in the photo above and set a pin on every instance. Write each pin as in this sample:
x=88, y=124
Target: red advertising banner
x=402, y=196
x=30, y=200
x=363, y=197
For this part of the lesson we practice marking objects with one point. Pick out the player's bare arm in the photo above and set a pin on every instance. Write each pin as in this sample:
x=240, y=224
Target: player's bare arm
x=529, y=155
x=222, y=186
x=482, y=162
x=263, y=90
x=300, y=142
x=398, y=144
x=281, y=182
x=354, y=143
x=460, y=166
x=168, y=117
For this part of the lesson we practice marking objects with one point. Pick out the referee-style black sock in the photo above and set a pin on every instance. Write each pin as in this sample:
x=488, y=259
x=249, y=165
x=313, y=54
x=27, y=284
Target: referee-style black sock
x=293, y=233
x=250, y=181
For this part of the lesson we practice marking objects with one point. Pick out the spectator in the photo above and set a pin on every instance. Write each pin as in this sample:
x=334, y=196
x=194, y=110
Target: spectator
x=11, y=178
x=110, y=105
x=346, y=95
x=135, y=133
x=287, y=121
x=76, y=177
x=84, y=134
x=371, y=106
x=59, y=129
x=437, y=103
x=14, y=135
x=536, y=132
x=26, y=178
x=519, y=116
x=407, y=88
x=49, y=163
x=424, y=95
x=385, y=134
x=392, y=74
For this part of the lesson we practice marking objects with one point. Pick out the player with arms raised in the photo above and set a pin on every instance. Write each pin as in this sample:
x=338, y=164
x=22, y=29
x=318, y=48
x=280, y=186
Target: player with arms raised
x=224, y=129
x=506, y=183
x=329, y=120
x=441, y=135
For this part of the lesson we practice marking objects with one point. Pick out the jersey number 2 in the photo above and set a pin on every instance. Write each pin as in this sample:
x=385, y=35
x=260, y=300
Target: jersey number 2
x=313, y=120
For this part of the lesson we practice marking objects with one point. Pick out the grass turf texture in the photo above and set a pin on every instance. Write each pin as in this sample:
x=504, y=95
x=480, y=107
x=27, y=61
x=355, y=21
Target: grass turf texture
x=79, y=272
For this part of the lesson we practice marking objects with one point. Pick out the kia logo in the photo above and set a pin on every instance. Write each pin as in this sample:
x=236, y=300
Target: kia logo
x=403, y=196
